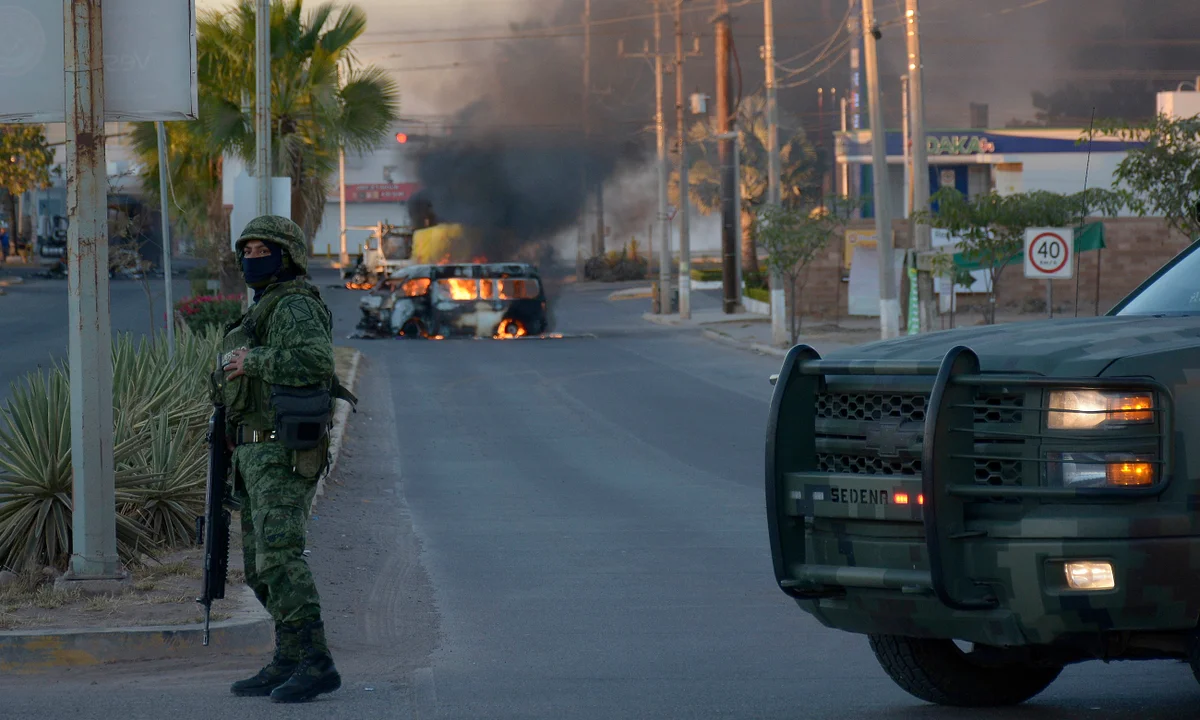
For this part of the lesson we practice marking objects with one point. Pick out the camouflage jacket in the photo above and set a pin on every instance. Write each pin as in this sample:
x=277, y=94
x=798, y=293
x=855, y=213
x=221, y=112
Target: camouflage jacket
x=289, y=333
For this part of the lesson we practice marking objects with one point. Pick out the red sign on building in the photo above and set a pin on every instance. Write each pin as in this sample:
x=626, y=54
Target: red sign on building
x=378, y=193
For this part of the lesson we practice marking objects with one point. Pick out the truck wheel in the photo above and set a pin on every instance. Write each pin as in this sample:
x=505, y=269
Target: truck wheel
x=937, y=671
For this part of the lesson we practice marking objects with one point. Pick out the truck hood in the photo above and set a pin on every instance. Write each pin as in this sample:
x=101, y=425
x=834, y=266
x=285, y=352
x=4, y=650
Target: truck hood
x=1077, y=347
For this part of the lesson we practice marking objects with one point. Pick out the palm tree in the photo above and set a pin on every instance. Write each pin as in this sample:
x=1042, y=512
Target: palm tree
x=312, y=114
x=799, y=180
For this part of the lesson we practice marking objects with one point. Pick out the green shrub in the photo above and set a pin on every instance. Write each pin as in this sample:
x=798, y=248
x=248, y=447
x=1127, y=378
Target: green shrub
x=758, y=280
x=615, y=267
x=707, y=274
x=160, y=409
x=210, y=311
x=758, y=294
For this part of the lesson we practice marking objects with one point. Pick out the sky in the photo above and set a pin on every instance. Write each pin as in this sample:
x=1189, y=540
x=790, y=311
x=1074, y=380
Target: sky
x=991, y=51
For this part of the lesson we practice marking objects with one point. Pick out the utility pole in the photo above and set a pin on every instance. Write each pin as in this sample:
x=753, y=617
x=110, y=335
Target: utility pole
x=845, y=174
x=262, y=78
x=663, y=169
x=779, y=330
x=89, y=330
x=343, y=256
x=889, y=303
x=581, y=241
x=922, y=236
x=168, y=249
x=725, y=158
x=685, y=237
x=907, y=142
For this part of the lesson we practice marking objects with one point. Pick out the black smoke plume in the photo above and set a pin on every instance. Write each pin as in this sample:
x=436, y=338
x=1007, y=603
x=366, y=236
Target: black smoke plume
x=516, y=163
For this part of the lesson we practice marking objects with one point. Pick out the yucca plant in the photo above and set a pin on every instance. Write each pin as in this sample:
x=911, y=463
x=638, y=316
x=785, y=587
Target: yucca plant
x=36, y=476
x=175, y=456
x=160, y=412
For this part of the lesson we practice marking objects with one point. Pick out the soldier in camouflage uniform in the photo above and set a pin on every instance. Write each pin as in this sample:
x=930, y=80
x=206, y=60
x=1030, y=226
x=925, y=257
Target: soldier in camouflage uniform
x=284, y=339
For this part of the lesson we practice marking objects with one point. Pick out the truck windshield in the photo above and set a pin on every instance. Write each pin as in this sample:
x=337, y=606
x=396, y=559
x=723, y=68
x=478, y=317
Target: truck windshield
x=1175, y=292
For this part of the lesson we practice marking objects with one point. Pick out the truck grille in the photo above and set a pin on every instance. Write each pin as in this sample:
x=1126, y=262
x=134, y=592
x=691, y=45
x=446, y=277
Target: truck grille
x=864, y=407
x=867, y=465
x=837, y=451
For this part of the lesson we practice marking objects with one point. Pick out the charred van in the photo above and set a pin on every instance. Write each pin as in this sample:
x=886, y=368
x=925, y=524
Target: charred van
x=991, y=504
x=484, y=300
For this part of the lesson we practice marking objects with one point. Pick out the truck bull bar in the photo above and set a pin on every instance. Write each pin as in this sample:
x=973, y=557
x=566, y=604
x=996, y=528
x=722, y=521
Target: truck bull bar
x=947, y=452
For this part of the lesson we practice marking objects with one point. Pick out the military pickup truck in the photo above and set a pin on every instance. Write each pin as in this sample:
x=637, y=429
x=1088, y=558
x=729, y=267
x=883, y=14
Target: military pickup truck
x=991, y=504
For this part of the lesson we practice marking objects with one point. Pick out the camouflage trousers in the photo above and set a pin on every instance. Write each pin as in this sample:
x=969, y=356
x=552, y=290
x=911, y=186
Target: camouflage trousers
x=275, y=503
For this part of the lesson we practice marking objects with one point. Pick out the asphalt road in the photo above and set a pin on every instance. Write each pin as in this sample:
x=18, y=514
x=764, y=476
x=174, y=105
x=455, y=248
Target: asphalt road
x=565, y=529
x=34, y=319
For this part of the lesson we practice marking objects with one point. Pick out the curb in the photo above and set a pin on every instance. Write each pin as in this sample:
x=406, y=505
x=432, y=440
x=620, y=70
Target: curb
x=250, y=632
x=638, y=293
x=750, y=347
x=668, y=320
x=340, y=418
x=253, y=633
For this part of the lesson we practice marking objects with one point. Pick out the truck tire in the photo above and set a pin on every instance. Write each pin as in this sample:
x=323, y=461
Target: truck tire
x=938, y=672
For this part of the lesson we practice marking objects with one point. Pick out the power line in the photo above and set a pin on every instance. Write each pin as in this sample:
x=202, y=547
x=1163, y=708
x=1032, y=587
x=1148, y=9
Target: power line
x=841, y=28
x=824, y=54
x=553, y=31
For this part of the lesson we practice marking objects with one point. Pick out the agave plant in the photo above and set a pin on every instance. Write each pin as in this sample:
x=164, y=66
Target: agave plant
x=167, y=505
x=160, y=406
x=36, y=476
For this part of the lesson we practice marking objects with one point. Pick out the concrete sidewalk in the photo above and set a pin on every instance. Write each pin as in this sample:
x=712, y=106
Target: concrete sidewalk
x=752, y=332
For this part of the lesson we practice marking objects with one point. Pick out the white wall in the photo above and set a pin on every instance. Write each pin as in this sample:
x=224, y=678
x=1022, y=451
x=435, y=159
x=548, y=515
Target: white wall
x=356, y=214
x=390, y=162
x=1064, y=172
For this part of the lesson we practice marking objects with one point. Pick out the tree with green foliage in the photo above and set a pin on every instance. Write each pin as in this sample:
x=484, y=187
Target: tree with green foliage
x=793, y=237
x=313, y=114
x=25, y=161
x=1161, y=178
x=991, y=227
x=800, y=180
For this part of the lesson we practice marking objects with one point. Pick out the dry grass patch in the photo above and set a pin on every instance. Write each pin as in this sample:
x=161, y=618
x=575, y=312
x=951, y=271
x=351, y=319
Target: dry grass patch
x=342, y=357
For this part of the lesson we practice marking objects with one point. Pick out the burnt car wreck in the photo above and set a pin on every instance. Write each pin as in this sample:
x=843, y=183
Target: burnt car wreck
x=478, y=300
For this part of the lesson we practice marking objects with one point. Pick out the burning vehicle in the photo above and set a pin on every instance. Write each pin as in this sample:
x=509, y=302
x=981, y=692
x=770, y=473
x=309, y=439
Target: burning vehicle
x=480, y=300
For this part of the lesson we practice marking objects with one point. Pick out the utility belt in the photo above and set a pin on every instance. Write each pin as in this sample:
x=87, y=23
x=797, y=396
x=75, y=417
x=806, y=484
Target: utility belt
x=303, y=416
x=247, y=435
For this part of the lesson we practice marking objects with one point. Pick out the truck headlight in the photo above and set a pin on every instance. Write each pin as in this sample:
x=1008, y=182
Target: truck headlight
x=1101, y=470
x=1090, y=576
x=1092, y=409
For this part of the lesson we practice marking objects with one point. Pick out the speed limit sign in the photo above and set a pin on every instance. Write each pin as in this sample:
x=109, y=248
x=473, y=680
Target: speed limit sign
x=1050, y=253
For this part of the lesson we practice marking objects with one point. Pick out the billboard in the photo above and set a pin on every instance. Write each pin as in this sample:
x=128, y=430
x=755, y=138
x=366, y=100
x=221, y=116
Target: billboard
x=149, y=60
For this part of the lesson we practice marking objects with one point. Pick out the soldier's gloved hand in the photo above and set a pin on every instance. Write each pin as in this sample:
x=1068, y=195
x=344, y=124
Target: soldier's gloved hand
x=234, y=363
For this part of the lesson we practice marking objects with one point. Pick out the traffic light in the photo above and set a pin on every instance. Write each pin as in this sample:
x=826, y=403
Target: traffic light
x=401, y=138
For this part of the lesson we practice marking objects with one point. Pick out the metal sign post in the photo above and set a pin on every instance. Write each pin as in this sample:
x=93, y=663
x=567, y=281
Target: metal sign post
x=59, y=72
x=89, y=336
x=168, y=250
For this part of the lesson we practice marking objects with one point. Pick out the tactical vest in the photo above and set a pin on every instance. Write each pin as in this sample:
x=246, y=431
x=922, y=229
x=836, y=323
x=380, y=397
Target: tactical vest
x=248, y=400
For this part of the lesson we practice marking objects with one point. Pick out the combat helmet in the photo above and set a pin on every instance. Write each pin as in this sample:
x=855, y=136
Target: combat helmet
x=279, y=230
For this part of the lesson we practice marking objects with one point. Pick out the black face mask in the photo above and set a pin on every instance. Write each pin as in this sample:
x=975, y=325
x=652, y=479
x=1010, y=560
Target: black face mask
x=259, y=271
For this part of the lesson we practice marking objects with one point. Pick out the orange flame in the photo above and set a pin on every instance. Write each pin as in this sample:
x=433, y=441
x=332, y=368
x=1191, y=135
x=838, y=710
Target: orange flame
x=510, y=329
x=479, y=259
x=460, y=288
x=359, y=286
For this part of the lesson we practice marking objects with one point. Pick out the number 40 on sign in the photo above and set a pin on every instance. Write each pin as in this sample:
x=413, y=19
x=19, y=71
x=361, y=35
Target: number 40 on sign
x=1050, y=253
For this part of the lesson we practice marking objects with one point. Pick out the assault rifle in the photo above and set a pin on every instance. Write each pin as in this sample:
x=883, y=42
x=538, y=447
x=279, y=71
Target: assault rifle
x=212, y=530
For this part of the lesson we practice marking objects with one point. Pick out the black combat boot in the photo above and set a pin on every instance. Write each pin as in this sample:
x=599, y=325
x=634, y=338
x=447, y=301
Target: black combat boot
x=315, y=674
x=281, y=667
